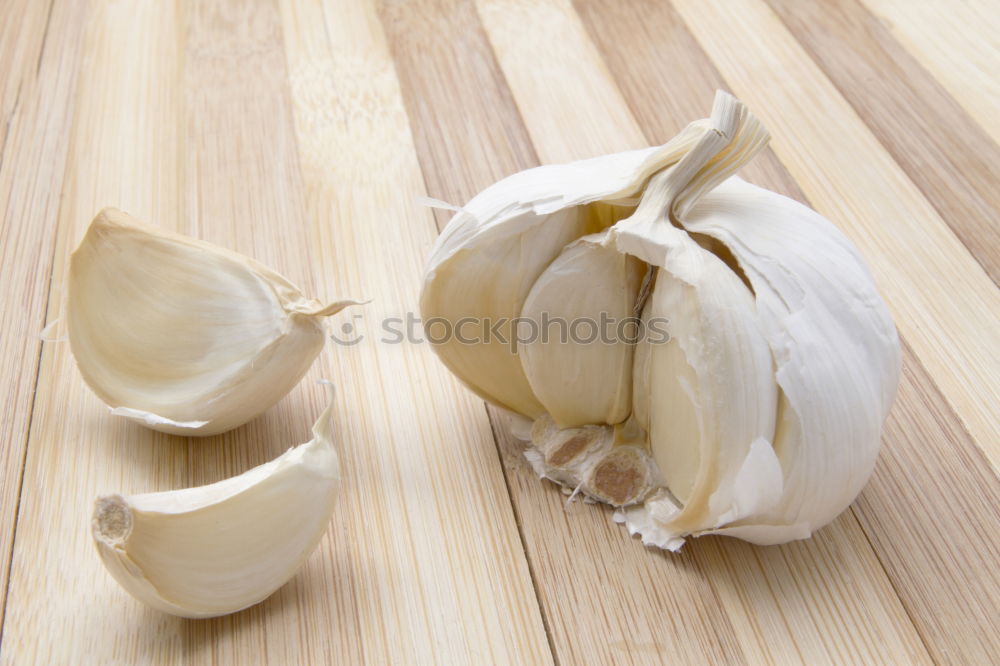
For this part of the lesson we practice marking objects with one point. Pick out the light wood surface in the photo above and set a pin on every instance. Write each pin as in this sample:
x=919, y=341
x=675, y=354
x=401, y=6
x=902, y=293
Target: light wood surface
x=959, y=44
x=303, y=133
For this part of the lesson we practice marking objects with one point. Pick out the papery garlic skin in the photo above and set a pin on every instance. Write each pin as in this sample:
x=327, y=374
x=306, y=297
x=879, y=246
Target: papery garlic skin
x=835, y=347
x=183, y=336
x=761, y=417
x=217, y=549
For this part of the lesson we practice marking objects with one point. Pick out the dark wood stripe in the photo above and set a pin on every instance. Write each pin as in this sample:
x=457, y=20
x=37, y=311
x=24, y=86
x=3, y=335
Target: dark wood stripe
x=929, y=463
x=23, y=25
x=931, y=506
x=674, y=62
x=939, y=146
x=468, y=134
x=464, y=121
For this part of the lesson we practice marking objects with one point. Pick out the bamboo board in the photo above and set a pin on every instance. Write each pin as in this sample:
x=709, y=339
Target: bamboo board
x=303, y=133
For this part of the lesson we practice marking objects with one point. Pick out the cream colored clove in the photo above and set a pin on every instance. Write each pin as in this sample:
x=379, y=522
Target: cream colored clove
x=183, y=336
x=216, y=549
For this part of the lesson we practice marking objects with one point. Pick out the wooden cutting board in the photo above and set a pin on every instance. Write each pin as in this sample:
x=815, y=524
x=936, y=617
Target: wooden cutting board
x=303, y=134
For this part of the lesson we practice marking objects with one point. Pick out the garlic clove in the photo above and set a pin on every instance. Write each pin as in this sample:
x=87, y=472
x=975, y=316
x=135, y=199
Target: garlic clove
x=712, y=382
x=216, y=549
x=183, y=336
x=576, y=359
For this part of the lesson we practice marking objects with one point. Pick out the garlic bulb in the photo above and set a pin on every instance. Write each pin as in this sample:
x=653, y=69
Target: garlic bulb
x=183, y=336
x=216, y=549
x=757, y=415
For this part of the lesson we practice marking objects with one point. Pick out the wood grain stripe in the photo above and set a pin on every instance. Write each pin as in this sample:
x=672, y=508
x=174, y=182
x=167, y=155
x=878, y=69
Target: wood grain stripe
x=36, y=102
x=465, y=124
x=582, y=564
x=432, y=566
x=663, y=95
x=537, y=43
x=123, y=152
x=242, y=188
x=934, y=562
x=851, y=179
x=22, y=36
x=941, y=149
x=959, y=42
x=756, y=592
x=930, y=512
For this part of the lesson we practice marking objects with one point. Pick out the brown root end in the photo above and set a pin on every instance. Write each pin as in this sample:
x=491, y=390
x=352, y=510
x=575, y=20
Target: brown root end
x=620, y=478
x=568, y=450
x=112, y=522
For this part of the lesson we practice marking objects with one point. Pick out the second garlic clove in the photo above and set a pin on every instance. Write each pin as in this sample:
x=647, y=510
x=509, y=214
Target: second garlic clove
x=217, y=549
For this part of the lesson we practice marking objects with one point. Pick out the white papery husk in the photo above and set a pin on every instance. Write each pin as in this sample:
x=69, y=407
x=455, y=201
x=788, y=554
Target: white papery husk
x=784, y=360
x=216, y=549
x=183, y=336
x=836, y=354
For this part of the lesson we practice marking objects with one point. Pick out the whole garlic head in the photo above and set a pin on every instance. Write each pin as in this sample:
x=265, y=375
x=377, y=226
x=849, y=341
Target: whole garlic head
x=181, y=335
x=759, y=412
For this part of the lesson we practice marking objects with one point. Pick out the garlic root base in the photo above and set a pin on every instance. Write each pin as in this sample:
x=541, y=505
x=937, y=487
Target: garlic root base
x=587, y=460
